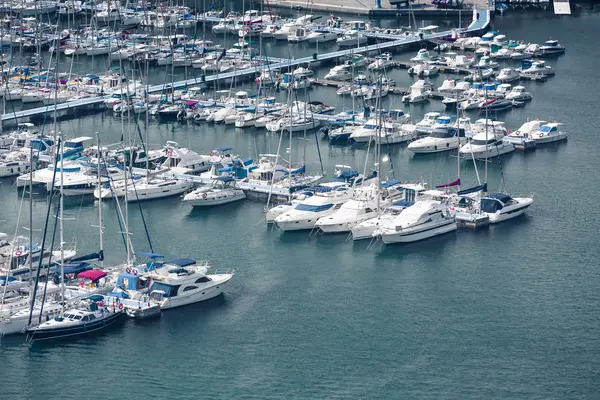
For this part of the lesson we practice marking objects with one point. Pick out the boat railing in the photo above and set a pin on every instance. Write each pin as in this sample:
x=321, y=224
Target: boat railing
x=222, y=271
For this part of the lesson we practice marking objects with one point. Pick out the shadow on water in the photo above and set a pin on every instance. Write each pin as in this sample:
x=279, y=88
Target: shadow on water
x=399, y=251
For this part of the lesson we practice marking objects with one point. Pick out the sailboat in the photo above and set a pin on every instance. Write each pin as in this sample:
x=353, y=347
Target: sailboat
x=88, y=316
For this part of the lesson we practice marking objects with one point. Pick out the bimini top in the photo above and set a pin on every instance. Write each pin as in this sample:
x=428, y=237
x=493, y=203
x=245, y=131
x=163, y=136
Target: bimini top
x=504, y=198
x=182, y=262
x=223, y=148
x=93, y=275
x=150, y=255
x=389, y=183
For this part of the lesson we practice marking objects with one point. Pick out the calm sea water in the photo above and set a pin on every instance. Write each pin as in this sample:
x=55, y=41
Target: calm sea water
x=510, y=312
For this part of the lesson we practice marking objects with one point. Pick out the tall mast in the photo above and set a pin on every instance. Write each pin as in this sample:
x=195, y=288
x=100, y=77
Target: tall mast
x=62, y=237
x=458, y=138
x=100, y=203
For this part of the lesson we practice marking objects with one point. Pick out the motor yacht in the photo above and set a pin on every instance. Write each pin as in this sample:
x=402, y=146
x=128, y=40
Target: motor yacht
x=298, y=35
x=551, y=47
x=45, y=175
x=422, y=56
x=321, y=35
x=369, y=130
x=535, y=68
x=518, y=93
x=221, y=191
x=440, y=139
x=176, y=283
x=422, y=220
x=429, y=119
x=549, y=133
x=282, y=208
x=14, y=163
x=340, y=73
x=486, y=145
x=362, y=207
x=501, y=207
x=328, y=198
x=508, y=75
x=522, y=136
x=366, y=229
x=352, y=38
x=381, y=62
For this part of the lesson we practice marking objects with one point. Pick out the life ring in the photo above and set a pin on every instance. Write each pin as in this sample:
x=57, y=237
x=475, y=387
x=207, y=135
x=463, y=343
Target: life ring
x=212, y=153
x=120, y=306
x=100, y=303
x=204, y=195
x=222, y=156
x=81, y=283
x=128, y=270
x=135, y=271
x=18, y=253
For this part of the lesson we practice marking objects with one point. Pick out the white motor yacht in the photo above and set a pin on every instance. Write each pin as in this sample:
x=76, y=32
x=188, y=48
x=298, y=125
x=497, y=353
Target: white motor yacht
x=508, y=75
x=147, y=188
x=501, y=207
x=44, y=176
x=429, y=119
x=381, y=62
x=440, y=139
x=422, y=56
x=448, y=86
x=518, y=93
x=180, y=282
x=321, y=35
x=537, y=68
x=549, y=133
x=329, y=197
x=285, y=31
x=366, y=229
x=422, y=220
x=340, y=73
x=282, y=208
x=352, y=38
x=222, y=191
x=14, y=163
x=298, y=35
x=551, y=47
x=524, y=133
x=486, y=145
x=362, y=207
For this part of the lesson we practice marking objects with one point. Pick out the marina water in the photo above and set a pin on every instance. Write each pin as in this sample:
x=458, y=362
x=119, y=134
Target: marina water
x=507, y=312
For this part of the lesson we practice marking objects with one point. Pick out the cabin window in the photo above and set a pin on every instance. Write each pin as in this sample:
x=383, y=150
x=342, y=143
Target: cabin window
x=368, y=210
x=170, y=291
x=188, y=288
x=92, y=317
x=85, y=319
x=77, y=317
x=203, y=279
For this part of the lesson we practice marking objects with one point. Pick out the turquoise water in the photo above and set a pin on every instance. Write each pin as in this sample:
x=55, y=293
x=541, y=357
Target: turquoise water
x=510, y=312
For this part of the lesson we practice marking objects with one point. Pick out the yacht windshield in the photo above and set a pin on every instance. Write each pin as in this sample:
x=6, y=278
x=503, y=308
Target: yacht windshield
x=307, y=207
x=490, y=205
x=477, y=142
x=442, y=134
